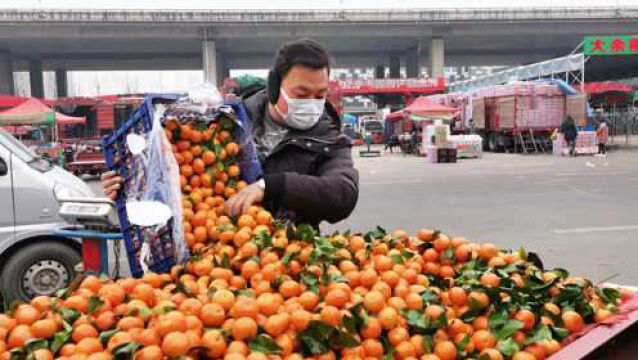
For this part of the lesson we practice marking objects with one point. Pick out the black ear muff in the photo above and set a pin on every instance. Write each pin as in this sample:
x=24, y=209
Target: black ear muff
x=274, y=83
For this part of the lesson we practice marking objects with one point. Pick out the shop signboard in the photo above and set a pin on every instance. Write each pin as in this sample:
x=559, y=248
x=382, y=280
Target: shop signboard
x=610, y=45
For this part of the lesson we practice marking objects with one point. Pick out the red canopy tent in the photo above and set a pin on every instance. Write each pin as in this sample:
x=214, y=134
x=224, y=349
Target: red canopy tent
x=600, y=87
x=9, y=101
x=422, y=107
x=33, y=112
x=21, y=118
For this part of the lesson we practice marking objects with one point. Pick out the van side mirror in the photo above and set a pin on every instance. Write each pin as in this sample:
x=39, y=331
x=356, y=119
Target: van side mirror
x=4, y=169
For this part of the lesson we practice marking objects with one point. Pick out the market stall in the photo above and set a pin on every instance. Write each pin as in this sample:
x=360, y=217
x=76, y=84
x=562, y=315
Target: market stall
x=33, y=114
x=414, y=117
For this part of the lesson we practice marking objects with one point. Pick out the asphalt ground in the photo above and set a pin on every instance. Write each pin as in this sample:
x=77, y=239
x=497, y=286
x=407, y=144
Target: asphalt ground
x=580, y=213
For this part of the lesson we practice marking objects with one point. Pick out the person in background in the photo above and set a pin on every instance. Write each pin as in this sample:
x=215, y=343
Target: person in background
x=568, y=128
x=603, y=135
x=391, y=142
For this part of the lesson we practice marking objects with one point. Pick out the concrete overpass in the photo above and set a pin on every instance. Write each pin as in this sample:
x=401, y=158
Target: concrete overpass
x=218, y=40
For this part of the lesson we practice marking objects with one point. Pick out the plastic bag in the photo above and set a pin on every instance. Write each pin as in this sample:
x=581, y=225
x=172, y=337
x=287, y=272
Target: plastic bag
x=248, y=159
x=162, y=185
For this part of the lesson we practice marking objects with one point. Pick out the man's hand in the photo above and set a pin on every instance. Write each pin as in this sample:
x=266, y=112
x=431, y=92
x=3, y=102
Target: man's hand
x=112, y=183
x=240, y=202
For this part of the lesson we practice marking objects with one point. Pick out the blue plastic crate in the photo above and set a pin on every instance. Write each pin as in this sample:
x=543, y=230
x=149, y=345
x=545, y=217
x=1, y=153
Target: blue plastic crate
x=119, y=159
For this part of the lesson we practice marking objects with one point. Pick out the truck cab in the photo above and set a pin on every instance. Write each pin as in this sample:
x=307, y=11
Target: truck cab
x=33, y=260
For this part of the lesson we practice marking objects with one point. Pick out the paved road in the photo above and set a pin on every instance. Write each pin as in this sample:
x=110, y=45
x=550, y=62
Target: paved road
x=580, y=214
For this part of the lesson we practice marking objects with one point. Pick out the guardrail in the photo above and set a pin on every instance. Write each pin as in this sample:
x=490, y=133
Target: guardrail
x=319, y=16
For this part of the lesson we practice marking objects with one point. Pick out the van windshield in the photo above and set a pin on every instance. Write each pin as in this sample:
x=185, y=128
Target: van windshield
x=23, y=152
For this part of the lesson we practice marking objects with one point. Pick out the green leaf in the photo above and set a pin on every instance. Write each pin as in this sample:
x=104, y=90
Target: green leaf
x=559, y=332
x=217, y=149
x=180, y=288
x=508, y=329
x=397, y=259
x=126, y=351
x=422, y=324
x=407, y=254
x=497, y=319
x=69, y=315
x=263, y=240
x=334, y=278
x=562, y=273
x=341, y=339
x=608, y=295
x=466, y=340
x=314, y=339
x=430, y=297
x=60, y=338
x=289, y=257
x=507, y=347
x=377, y=233
x=476, y=309
x=164, y=309
x=244, y=292
x=226, y=261
x=448, y=254
x=522, y=253
x=349, y=323
x=105, y=336
x=311, y=281
x=305, y=232
x=360, y=315
x=95, y=303
x=18, y=354
x=570, y=293
x=428, y=342
x=388, y=349
x=542, y=332
x=442, y=321
x=36, y=344
x=265, y=344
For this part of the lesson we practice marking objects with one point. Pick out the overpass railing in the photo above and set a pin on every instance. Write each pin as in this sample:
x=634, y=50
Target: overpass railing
x=319, y=16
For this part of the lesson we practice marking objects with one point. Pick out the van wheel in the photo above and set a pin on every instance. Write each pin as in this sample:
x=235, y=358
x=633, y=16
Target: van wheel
x=39, y=269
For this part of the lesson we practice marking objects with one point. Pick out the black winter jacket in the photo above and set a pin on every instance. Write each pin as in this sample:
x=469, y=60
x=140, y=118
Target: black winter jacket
x=310, y=175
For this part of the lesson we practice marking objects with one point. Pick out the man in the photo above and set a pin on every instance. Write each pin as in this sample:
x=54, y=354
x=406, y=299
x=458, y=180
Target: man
x=307, y=161
x=568, y=128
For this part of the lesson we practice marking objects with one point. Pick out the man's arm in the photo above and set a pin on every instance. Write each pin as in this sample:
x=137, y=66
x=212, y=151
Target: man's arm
x=330, y=196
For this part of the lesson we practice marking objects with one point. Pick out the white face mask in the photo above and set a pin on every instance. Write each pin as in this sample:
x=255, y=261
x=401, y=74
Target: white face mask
x=302, y=113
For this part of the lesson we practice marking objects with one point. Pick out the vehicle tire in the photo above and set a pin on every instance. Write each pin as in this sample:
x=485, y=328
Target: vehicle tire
x=39, y=269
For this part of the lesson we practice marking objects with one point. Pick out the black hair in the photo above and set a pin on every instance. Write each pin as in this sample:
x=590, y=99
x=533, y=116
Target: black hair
x=303, y=52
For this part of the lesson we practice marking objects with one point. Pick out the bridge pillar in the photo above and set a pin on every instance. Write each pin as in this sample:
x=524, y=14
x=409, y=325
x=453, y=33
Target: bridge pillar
x=209, y=61
x=437, y=57
x=6, y=74
x=412, y=63
x=223, y=71
x=379, y=72
x=395, y=66
x=36, y=78
x=61, y=83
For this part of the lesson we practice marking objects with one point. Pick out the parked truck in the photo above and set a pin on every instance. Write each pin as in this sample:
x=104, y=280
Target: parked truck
x=520, y=117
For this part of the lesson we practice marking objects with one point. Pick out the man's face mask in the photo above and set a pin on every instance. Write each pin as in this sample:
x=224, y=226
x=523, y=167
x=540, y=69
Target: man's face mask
x=302, y=113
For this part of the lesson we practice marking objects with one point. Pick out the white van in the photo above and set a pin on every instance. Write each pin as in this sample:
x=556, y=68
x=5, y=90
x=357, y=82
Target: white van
x=33, y=260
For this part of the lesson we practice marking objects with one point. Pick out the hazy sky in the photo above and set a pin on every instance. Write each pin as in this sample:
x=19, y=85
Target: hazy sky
x=301, y=4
